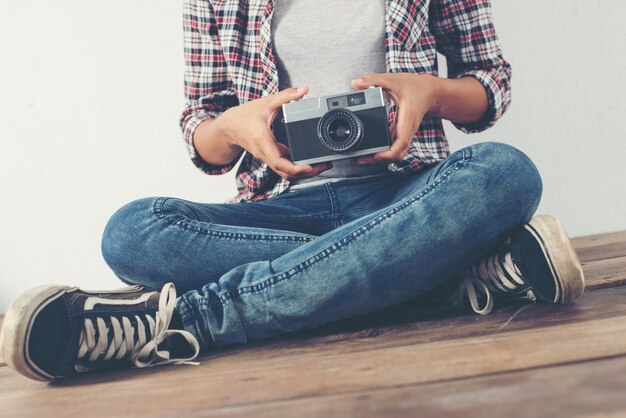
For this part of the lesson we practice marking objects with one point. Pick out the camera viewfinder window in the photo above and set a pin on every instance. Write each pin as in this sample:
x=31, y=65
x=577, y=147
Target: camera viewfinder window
x=356, y=99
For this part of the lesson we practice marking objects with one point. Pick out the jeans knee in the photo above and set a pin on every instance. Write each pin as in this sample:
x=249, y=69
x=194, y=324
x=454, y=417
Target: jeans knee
x=123, y=239
x=516, y=175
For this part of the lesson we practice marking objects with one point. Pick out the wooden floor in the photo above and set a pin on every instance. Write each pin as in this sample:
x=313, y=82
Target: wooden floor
x=521, y=361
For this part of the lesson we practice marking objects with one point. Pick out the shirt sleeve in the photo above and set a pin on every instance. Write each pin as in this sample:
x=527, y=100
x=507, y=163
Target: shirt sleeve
x=467, y=38
x=209, y=90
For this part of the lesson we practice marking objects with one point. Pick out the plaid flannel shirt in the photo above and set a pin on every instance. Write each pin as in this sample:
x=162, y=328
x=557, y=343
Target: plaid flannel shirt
x=229, y=61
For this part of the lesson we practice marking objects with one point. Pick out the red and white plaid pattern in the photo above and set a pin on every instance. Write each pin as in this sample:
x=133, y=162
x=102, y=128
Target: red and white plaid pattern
x=229, y=61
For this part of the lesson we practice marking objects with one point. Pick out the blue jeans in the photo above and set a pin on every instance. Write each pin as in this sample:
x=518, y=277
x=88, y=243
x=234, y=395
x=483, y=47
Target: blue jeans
x=250, y=271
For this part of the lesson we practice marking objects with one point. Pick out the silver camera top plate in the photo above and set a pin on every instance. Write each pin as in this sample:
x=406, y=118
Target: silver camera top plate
x=316, y=107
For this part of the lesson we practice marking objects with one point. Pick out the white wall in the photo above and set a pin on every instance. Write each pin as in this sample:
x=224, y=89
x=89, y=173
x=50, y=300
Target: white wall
x=90, y=94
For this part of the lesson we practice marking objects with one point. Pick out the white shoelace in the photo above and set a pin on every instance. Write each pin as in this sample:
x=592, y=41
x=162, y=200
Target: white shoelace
x=487, y=276
x=143, y=352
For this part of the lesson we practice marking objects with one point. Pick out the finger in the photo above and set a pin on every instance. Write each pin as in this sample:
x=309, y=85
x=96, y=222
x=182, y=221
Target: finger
x=293, y=170
x=367, y=160
x=374, y=79
x=281, y=173
x=405, y=128
x=407, y=123
x=274, y=157
x=397, y=151
x=392, y=129
x=286, y=95
x=283, y=149
x=384, y=80
x=270, y=151
x=317, y=169
x=261, y=156
x=387, y=84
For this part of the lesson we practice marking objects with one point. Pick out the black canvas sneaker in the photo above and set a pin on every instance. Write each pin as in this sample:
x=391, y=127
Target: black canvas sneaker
x=537, y=262
x=58, y=331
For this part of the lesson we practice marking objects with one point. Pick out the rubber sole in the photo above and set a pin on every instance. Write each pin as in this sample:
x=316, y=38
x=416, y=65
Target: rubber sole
x=18, y=323
x=563, y=260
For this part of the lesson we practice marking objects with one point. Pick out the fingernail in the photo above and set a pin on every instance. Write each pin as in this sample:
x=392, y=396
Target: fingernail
x=358, y=80
x=301, y=90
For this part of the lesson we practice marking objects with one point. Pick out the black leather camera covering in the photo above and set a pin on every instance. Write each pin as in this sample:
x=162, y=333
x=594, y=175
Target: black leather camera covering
x=304, y=144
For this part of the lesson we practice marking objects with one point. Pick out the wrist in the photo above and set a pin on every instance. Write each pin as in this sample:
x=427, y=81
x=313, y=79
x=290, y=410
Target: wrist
x=222, y=127
x=434, y=95
x=213, y=141
x=226, y=134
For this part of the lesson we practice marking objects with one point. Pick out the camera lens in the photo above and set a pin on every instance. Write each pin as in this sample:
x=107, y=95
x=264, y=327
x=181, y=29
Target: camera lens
x=340, y=130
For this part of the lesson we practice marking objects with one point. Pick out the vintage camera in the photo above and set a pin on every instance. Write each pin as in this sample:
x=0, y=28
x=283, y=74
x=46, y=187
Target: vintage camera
x=334, y=127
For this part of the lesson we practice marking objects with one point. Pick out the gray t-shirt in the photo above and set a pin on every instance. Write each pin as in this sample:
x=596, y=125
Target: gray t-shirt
x=325, y=44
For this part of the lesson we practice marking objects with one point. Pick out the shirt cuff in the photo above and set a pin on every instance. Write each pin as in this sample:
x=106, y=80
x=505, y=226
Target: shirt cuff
x=498, y=95
x=189, y=129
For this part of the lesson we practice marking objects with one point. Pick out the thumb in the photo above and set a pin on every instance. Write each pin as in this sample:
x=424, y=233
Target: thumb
x=374, y=79
x=392, y=129
x=287, y=95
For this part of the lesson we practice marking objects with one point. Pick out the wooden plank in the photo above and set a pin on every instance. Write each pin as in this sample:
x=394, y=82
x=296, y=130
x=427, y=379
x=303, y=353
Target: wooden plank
x=605, y=273
x=586, y=389
x=602, y=252
x=252, y=375
x=601, y=246
x=589, y=241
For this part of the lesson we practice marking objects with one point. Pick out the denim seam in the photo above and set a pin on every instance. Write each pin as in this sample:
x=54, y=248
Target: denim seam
x=334, y=204
x=187, y=315
x=225, y=297
x=289, y=219
x=159, y=203
x=330, y=199
x=157, y=210
x=360, y=212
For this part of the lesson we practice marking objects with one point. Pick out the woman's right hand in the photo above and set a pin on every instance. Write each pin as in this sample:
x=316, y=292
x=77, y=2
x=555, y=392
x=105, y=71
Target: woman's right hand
x=249, y=126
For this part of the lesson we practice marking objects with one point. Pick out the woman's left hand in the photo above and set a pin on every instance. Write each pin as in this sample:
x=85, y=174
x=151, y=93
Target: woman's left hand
x=414, y=96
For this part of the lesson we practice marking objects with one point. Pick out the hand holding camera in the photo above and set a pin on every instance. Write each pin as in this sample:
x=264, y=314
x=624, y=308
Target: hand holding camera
x=414, y=96
x=248, y=126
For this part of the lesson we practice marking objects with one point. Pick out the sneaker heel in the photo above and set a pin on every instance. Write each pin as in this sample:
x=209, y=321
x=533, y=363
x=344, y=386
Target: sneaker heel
x=563, y=258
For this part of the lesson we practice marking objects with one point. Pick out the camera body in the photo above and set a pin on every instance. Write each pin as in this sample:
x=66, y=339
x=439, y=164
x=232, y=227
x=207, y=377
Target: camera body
x=337, y=126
